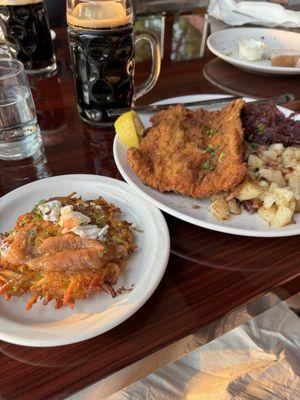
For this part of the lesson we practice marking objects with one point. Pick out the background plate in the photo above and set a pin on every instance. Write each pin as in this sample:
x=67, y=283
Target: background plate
x=182, y=206
x=224, y=44
x=45, y=326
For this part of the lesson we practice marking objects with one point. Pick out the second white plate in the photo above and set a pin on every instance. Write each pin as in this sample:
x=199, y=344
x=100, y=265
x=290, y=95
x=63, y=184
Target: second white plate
x=224, y=44
x=185, y=208
x=46, y=326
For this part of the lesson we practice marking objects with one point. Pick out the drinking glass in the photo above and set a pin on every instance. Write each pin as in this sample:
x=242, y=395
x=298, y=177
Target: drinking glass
x=26, y=28
x=102, y=44
x=19, y=132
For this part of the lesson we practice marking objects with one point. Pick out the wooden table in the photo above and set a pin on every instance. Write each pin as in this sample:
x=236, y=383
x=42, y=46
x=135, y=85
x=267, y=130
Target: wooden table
x=209, y=275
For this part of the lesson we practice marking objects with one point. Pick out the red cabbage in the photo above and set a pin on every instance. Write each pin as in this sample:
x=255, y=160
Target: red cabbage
x=265, y=124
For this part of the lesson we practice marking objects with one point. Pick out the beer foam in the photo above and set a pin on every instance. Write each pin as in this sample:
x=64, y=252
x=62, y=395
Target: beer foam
x=18, y=2
x=105, y=14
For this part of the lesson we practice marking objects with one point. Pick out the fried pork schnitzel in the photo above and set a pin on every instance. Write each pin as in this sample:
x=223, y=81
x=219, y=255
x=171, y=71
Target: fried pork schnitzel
x=195, y=153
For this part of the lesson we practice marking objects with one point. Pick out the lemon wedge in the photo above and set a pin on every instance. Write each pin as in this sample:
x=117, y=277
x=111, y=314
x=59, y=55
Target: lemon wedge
x=130, y=128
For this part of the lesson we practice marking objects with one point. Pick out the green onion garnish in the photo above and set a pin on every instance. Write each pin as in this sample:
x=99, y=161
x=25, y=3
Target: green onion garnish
x=207, y=165
x=261, y=127
x=210, y=150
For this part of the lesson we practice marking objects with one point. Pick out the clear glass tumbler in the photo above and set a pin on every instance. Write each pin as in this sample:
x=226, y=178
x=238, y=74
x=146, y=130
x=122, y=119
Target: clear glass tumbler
x=19, y=132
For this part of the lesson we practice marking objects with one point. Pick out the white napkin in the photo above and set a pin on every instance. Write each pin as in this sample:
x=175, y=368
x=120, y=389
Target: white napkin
x=258, y=360
x=234, y=13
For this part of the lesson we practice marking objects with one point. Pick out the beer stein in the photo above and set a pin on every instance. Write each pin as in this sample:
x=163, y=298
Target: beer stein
x=102, y=45
x=27, y=34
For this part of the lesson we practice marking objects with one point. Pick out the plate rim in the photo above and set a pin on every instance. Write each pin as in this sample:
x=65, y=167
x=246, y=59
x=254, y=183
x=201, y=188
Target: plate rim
x=251, y=65
x=182, y=216
x=164, y=255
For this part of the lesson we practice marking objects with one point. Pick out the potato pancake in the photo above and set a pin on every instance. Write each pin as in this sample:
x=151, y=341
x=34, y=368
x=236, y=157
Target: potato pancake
x=65, y=249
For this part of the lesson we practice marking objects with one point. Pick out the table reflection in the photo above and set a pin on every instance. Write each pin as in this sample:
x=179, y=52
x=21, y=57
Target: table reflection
x=50, y=357
x=52, y=119
x=182, y=36
x=229, y=259
x=187, y=37
x=98, y=151
x=19, y=172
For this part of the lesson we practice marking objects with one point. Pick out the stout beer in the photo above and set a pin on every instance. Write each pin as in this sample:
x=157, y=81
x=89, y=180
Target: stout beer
x=27, y=32
x=101, y=39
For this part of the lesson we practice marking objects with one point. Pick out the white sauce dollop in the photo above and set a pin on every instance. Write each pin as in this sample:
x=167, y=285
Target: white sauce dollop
x=71, y=221
x=91, y=231
x=251, y=49
x=50, y=210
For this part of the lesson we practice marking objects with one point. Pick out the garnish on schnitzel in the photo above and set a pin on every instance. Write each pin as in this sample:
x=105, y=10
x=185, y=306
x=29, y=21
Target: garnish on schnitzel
x=195, y=153
x=65, y=249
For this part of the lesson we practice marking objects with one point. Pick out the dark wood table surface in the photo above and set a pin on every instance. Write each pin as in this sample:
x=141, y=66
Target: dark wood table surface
x=209, y=274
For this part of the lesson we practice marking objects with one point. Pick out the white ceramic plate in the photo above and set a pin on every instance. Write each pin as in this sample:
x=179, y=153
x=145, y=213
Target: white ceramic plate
x=224, y=44
x=182, y=206
x=45, y=326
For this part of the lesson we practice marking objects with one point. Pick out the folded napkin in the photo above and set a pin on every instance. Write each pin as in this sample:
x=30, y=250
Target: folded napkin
x=234, y=13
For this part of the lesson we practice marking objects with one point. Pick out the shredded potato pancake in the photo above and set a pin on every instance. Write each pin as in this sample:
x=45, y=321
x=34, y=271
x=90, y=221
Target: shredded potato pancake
x=65, y=249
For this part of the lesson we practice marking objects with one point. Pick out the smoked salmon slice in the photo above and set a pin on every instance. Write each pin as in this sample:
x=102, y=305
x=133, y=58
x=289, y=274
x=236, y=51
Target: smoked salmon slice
x=68, y=241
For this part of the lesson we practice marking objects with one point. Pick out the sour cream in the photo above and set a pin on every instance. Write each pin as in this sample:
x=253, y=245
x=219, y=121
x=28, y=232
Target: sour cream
x=251, y=49
x=72, y=221
x=91, y=231
x=50, y=210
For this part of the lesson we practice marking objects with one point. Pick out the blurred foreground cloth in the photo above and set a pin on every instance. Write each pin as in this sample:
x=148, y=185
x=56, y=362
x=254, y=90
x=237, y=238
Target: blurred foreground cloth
x=234, y=12
x=258, y=360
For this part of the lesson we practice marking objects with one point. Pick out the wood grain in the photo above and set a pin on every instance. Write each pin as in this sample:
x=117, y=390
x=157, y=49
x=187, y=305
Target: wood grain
x=209, y=273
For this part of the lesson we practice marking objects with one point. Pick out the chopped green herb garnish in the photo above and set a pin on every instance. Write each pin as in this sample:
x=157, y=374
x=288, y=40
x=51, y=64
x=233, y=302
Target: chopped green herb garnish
x=221, y=156
x=207, y=165
x=38, y=213
x=41, y=202
x=136, y=228
x=32, y=236
x=224, y=130
x=254, y=146
x=261, y=127
x=99, y=219
x=101, y=253
x=210, y=132
x=24, y=221
x=210, y=150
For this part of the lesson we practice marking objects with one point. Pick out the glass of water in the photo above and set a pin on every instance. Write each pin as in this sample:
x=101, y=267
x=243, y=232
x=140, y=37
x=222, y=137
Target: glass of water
x=19, y=132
